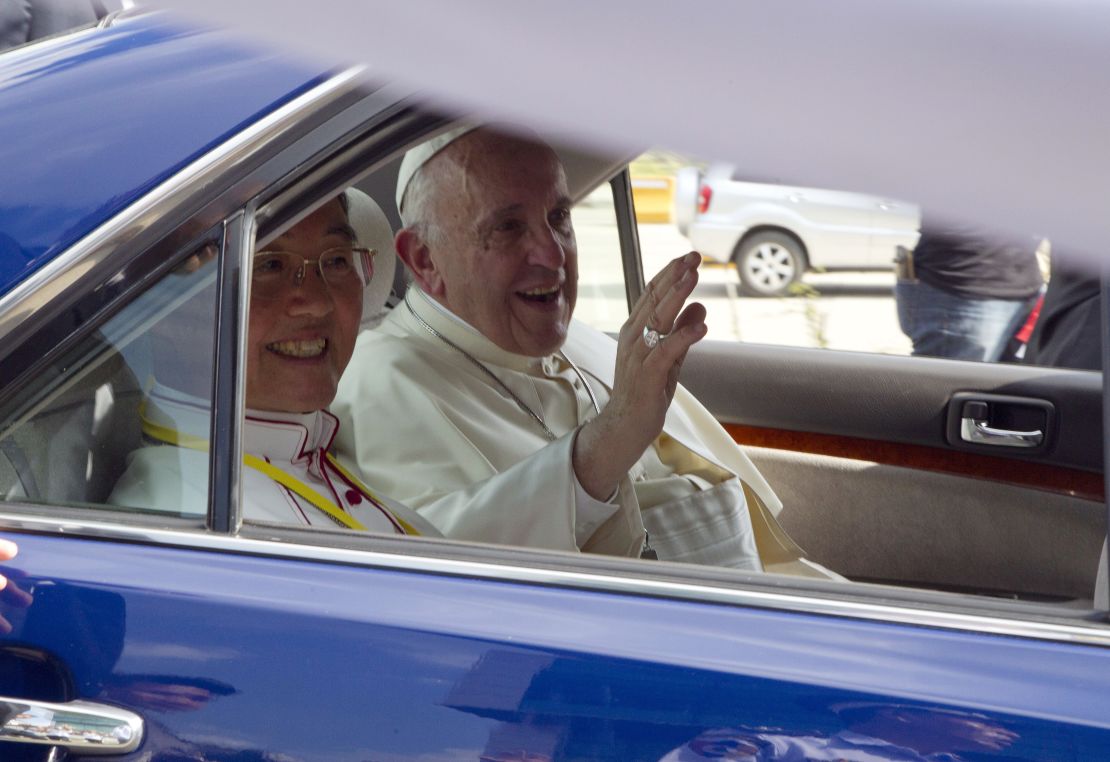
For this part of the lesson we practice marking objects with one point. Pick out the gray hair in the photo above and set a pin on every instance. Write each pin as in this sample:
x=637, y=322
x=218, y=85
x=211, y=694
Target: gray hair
x=417, y=211
x=417, y=205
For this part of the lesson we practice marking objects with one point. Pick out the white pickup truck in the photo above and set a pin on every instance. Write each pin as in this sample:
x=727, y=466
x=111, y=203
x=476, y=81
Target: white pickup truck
x=775, y=233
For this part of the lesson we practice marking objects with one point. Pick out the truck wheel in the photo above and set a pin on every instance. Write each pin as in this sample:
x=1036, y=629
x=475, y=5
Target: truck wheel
x=769, y=263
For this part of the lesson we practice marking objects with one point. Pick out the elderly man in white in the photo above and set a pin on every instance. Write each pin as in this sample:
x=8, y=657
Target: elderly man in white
x=483, y=405
x=306, y=302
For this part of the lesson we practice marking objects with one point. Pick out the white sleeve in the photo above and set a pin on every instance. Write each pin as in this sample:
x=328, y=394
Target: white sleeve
x=411, y=450
x=532, y=503
x=431, y=438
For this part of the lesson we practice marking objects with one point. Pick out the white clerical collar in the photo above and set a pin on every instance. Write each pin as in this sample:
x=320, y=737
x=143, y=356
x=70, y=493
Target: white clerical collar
x=288, y=436
x=273, y=436
x=443, y=310
x=472, y=340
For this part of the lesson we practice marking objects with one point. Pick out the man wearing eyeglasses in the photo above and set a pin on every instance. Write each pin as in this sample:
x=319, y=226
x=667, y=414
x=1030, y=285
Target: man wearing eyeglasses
x=306, y=303
x=305, y=314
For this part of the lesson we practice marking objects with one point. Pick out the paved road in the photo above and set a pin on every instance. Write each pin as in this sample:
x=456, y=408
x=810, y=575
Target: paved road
x=852, y=311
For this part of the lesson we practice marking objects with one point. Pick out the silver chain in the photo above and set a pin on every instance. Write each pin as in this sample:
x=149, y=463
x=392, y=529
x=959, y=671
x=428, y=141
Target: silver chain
x=504, y=387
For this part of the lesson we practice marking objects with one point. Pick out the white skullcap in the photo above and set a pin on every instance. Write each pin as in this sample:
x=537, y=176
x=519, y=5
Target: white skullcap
x=415, y=158
x=374, y=232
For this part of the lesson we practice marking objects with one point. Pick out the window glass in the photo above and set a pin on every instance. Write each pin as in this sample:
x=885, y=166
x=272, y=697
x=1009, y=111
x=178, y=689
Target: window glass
x=602, y=302
x=94, y=427
x=838, y=269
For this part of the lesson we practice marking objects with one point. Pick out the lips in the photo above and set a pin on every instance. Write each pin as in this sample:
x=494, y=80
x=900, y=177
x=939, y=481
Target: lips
x=302, y=349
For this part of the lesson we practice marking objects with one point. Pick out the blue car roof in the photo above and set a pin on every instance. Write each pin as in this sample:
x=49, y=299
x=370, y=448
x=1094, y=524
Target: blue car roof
x=92, y=121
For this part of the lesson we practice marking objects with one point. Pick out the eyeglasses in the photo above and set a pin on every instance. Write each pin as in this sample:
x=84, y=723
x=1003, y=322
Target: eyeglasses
x=341, y=268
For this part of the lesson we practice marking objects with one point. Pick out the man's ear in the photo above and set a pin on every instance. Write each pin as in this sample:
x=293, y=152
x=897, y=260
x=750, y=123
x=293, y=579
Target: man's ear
x=417, y=256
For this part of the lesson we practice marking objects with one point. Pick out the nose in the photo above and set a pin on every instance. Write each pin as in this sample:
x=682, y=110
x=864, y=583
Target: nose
x=309, y=296
x=545, y=249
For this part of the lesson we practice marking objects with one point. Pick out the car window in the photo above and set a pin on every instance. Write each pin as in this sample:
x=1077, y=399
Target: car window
x=837, y=269
x=80, y=431
x=601, y=292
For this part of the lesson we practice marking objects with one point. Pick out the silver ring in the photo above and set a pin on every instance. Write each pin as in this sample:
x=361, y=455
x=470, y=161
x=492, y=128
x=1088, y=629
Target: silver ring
x=652, y=337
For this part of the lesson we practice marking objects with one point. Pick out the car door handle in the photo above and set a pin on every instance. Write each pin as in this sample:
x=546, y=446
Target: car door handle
x=974, y=428
x=82, y=727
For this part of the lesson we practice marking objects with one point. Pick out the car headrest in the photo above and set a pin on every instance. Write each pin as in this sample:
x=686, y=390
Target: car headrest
x=374, y=231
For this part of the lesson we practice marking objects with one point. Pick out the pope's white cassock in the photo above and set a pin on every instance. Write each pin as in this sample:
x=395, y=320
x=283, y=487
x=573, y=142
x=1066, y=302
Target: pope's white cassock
x=429, y=428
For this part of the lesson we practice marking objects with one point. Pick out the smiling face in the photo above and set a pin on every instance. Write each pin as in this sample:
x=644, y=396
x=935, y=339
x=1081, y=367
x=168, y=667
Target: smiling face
x=500, y=251
x=301, y=339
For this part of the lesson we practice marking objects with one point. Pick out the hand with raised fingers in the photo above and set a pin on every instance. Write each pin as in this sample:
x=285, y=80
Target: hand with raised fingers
x=650, y=351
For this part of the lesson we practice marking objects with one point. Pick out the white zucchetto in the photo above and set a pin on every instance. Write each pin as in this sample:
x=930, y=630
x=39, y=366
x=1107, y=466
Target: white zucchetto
x=417, y=157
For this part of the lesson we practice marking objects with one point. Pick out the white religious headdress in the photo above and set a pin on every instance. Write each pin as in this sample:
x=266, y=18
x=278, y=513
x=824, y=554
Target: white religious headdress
x=417, y=157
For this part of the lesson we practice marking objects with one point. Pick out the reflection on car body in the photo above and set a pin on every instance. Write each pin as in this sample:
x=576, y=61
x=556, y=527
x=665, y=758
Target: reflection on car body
x=343, y=646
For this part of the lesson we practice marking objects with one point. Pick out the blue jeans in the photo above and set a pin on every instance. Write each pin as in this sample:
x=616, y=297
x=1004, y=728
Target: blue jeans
x=941, y=324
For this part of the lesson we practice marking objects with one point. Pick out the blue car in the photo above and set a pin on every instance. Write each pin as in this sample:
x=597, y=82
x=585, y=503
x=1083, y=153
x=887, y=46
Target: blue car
x=969, y=630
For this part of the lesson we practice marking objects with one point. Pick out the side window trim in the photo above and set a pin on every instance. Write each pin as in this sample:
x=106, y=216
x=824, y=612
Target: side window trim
x=1102, y=594
x=629, y=236
x=225, y=514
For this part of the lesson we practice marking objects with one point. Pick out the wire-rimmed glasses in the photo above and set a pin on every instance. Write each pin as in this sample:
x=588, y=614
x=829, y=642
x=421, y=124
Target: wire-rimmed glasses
x=340, y=267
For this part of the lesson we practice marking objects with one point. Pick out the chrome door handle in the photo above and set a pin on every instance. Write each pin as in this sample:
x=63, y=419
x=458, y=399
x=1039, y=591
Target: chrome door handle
x=81, y=727
x=976, y=430
x=970, y=415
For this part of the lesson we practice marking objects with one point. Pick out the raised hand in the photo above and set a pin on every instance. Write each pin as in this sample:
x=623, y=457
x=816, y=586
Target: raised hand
x=650, y=351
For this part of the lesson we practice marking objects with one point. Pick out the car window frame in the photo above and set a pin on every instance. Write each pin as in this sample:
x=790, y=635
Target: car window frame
x=320, y=157
x=629, y=235
x=631, y=254
x=341, y=170
x=103, y=301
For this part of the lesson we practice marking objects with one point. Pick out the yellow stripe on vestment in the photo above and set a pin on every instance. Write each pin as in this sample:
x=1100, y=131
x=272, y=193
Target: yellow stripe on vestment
x=318, y=501
x=409, y=528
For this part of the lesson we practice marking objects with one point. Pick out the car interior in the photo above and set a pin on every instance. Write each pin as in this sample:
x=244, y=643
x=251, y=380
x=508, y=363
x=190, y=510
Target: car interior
x=864, y=508
x=859, y=447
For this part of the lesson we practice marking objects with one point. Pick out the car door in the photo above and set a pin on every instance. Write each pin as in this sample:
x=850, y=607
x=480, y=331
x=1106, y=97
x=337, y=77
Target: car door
x=876, y=457
x=273, y=643
x=230, y=640
x=913, y=503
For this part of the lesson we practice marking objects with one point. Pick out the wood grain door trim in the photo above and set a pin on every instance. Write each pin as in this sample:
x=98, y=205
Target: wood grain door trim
x=1057, y=479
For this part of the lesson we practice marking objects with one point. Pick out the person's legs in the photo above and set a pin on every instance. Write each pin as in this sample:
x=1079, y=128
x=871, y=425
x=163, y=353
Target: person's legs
x=935, y=322
x=999, y=320
x=941, y=324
